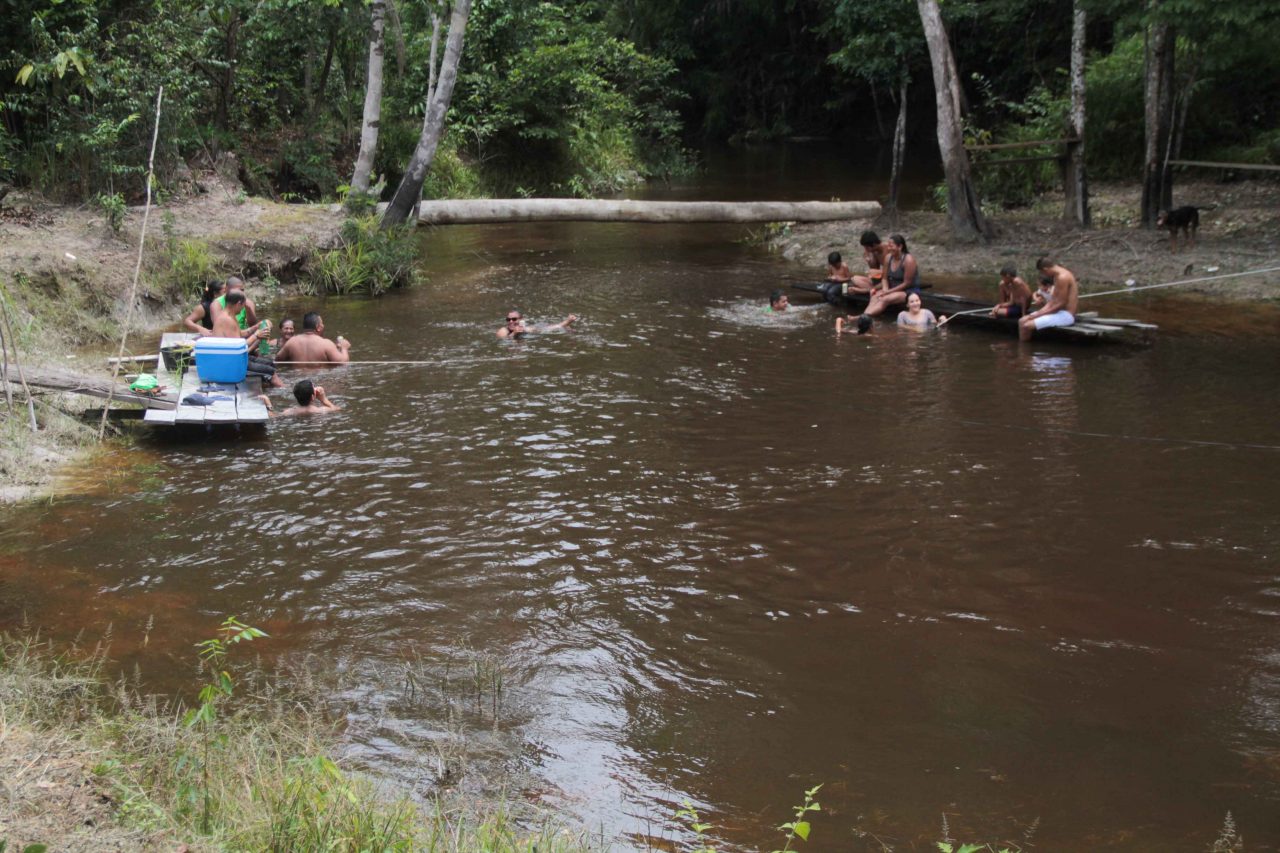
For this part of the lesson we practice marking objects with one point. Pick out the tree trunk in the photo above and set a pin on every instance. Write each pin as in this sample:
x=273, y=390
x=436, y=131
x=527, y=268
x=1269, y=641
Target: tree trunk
x=328, y=64
x=472, y=211
x=875, y=106
x=372, y=102
x=227, y=83
x=1076, y=188
x=410, y=189
x=1157, y=114
x=899, y=147
x=963, y=208
x=431, y=85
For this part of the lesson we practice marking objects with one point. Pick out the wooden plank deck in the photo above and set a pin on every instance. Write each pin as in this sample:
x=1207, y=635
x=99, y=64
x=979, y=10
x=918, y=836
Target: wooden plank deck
x=241, y=407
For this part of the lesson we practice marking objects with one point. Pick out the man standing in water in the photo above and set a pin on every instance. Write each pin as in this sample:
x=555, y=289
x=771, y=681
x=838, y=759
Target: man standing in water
x=312, y=347
x=1063, y=301
x=515, y=327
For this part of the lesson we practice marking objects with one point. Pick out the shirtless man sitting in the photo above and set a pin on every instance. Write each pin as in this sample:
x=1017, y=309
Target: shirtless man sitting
x=1062, y=304
x=246, y=315
x=311, y=401
x=311, y=347
x=225, y=326
x=515, y=327
x=873, y=250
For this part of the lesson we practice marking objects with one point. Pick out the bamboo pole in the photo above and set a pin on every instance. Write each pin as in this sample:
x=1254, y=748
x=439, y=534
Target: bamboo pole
x=8, y=336
x=137, y=270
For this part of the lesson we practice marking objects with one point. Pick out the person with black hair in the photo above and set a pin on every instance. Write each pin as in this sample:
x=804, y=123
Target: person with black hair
x=311, y=347
x=873, y=252
x=901, y=277
x=1062, y=304
x=515, y=327
x=778, y=302
x=1015, y=294
x=837, y=270
x=200, y=320
x=225, y=326
x=312, y=400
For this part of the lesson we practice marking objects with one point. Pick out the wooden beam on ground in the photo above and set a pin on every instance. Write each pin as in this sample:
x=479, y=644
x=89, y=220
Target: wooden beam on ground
x=475, y=211
x=1006, y=146
x=92, y=386
x=1207, y=164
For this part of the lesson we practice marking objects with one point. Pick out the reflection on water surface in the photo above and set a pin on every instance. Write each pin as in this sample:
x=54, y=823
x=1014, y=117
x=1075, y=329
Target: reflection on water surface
x=728, y=556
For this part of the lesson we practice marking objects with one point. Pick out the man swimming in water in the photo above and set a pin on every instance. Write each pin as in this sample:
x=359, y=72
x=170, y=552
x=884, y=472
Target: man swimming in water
x=778, y=302
x=1063, y=302
x=515, y=327
x=312, y=400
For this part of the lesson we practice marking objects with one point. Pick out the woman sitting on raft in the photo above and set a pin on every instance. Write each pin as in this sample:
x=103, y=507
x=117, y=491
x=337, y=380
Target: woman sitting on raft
x=915, y=317
x=901, y=277
x=200, y=320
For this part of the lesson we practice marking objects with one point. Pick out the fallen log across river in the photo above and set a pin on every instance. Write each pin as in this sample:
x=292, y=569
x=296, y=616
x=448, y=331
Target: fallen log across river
x=78, y=383
x=476, y=211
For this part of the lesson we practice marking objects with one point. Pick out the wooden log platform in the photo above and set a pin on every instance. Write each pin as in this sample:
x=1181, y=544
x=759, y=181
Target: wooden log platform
x=54, y=379
x=240, y=406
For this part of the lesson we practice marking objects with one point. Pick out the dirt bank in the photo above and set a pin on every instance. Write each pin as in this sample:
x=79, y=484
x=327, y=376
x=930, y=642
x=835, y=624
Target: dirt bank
x=65, y=277
x=1241, y=232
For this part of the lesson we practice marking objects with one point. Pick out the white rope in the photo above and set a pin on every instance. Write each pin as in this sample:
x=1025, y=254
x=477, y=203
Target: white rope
x=137, y=270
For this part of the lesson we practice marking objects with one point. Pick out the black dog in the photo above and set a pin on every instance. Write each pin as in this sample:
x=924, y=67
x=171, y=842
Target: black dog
x=1184, y=219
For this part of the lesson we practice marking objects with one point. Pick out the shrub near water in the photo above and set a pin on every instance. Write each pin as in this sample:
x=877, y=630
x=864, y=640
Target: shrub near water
x=369, y=260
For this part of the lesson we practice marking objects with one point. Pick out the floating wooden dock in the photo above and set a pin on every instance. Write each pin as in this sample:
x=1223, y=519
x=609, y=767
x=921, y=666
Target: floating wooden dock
x=1089, y=327
x=242, y=405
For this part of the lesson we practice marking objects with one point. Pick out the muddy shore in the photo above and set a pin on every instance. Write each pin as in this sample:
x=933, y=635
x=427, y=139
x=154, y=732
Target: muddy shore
x=1240, y=232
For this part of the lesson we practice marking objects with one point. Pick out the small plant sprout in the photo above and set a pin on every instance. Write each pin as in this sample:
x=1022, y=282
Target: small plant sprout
x=799, y=828
x=689, y=815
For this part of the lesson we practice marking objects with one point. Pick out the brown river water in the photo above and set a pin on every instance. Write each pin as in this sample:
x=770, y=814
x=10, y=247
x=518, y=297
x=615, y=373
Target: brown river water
x=723, y=555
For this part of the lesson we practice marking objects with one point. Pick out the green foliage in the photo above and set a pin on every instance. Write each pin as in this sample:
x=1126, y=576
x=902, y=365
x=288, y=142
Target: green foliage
x=1040, y=116
x=113, y=208
x=191, y=265
x=798, y=827
x=689, y=815
x=369, y=260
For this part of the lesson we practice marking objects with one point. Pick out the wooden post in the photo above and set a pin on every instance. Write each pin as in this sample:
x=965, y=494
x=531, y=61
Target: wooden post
x=1075, y=183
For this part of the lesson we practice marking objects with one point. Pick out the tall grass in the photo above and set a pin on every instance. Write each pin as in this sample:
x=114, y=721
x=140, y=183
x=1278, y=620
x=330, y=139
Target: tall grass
x=368, y=260
x=270, y=780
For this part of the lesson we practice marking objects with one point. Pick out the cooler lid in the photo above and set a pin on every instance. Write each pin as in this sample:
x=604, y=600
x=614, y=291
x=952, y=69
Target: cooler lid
x=221, y=345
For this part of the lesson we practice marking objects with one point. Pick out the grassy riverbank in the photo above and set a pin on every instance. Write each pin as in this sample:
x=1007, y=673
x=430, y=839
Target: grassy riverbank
x=65, y=279
x=90, y=763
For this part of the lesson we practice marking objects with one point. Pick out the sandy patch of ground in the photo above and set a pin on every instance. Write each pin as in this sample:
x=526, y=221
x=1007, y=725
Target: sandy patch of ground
x=1241, y=232
x=48, y=795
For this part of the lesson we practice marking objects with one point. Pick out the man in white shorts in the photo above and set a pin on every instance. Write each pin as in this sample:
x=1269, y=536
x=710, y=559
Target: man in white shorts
x=1060, y=310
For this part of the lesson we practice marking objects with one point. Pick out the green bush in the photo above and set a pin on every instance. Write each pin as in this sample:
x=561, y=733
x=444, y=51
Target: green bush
x=369, y=260
x=191, y=266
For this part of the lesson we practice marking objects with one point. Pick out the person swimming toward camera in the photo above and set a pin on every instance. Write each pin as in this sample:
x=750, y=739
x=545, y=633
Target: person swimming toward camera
x=778, y=302
x=515, y=327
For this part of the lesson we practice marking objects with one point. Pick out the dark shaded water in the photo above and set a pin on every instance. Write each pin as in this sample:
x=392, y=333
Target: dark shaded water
x=727, y=556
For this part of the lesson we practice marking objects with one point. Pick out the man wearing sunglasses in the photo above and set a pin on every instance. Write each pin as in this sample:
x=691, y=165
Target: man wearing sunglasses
x=515, y=327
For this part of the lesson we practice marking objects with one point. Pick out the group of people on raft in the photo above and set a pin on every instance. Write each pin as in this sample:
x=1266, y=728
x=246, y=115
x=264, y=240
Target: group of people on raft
x=893, y=278
x=225, y=311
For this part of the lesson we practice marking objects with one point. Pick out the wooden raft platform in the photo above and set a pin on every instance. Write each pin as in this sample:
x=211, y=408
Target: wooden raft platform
x=1088, y=328
x=243, y=407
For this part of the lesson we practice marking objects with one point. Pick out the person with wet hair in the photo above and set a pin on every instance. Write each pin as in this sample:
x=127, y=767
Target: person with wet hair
x=778, y=302
x=873, y=251
x=1015, y=294
x=287, y=328
x=915, y=317
x=200, y=320
x=862, y=327
x=1062, y=304
x=312, y=400
x=515, y=327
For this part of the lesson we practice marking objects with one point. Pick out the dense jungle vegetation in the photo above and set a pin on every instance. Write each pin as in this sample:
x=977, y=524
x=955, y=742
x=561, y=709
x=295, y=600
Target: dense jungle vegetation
x=582, y=97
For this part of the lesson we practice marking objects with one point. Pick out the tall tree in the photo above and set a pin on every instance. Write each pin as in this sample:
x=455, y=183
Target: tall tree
x=963, y=207
x=372, y=102
x=410, y=189
x=1076, y=187
x=1158, y=83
